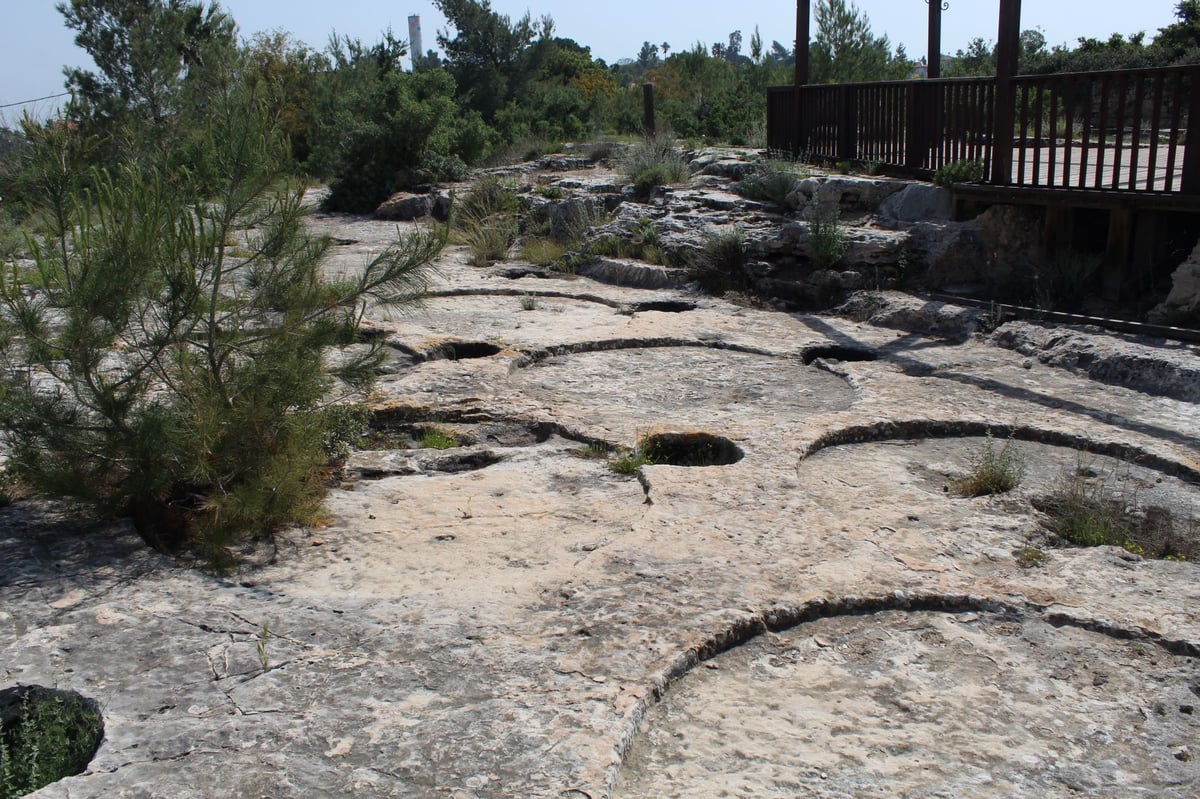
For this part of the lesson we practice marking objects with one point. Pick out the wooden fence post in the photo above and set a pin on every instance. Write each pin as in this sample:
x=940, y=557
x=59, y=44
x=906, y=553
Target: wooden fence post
x=1008, y=51
x=1191, y=148
x=648, y=109
x=933, y=64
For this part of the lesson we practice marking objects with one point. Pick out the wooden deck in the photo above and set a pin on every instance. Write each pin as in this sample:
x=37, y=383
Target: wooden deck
x=1127, y=130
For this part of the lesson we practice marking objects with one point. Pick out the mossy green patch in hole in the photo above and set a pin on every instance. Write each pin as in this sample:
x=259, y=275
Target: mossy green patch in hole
x=690, y=449
x=45, y=735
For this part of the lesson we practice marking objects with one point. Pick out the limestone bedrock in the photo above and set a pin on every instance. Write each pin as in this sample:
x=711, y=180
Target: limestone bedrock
x=495, y=622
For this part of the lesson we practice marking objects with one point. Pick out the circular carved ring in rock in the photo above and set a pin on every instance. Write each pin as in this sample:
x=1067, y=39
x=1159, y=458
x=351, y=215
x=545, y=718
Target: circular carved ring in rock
x=690, y=449
x=947, y=696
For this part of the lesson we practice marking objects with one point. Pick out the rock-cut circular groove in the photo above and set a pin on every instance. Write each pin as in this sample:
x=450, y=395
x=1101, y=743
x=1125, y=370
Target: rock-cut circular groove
x=870, y=692
x=690, y=449
x=902, y=429
x=46, y=728
x=461, y=351
x=532, y=357
x=836, y=352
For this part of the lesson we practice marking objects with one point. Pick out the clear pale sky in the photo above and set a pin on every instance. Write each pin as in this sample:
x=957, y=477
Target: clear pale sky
x=35, y=45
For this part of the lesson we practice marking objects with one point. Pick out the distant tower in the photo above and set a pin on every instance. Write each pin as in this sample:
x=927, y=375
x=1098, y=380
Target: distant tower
x=414, y=40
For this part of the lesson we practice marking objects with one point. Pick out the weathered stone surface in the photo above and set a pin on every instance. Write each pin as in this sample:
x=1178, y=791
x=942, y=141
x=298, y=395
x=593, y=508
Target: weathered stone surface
x=501, y=632
x=405, y=207
x=918, y=202
x=1120, y=360
x=626, y=272
x=1185, y=284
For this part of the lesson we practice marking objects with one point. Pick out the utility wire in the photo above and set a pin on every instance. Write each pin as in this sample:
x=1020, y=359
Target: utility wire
x=35, y=100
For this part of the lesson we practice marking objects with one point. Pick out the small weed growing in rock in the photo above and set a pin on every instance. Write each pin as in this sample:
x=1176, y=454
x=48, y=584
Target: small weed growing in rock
x=1032, y=557
x=826, y=238
x=993, y=471
x=628, y=461
x=651, y=164
x=595, y=451
x=52, y=735
x=437, y=438
x=529, y=303
x=1088, y=510
x=263, y=634
x=959, y=172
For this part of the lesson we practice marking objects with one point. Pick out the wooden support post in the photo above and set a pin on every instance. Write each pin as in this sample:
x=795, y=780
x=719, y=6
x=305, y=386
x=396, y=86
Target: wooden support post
x=1191, y=152
x=1116, y=256
x=1149, y=246
x=1008, y=50
x=648, y=109
x=803, y=34
x=1058, y=232
x=934, y=58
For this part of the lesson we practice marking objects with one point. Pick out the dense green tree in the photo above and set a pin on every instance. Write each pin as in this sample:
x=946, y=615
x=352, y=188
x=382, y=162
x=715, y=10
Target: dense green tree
x=485, y=54
x=165, y=354
x=1180, y=41
x=144, y=50
x=845, y=49
x=380, y=129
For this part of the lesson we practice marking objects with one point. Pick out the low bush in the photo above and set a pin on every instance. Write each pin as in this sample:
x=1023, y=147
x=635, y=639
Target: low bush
x=651, y=164
x=826, y=238
x=994, y=470
x=959, y=172
x=487, y=221
x=1089, y=511
x=772, y=181
x=719, y=265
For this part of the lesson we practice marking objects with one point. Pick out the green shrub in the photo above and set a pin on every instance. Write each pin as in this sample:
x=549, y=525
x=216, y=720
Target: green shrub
x=1093, y=511
x=488, y=197
x=542, y=251
x=772, y=180
x=959, y=172
x=486, y=220
x=993, y=471
x=176, y=382
x=720, y=264
x=826, y=238
x=54, y=734
x=653, y=163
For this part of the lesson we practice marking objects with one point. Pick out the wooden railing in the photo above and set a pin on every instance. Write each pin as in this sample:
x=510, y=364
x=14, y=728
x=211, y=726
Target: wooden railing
x=1123, y=130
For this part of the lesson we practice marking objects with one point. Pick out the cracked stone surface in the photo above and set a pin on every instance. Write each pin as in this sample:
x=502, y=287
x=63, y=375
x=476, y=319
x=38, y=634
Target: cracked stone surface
x=502, y=630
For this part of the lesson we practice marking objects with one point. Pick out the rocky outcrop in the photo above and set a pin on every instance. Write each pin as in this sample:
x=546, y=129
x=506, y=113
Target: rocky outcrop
x=1184, y=298
x=1117, y=360
x=407, y=206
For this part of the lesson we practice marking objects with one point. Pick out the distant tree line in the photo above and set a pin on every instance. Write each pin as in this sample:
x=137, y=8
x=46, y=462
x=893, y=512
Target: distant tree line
x=1176, y=44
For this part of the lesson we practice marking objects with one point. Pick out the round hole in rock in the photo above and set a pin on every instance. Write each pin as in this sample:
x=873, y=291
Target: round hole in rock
x=662, y=306
x=462, y=350
x=836, y=352
x=690, y=449
x=47, y=734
